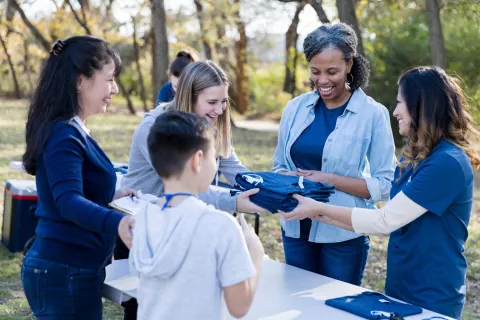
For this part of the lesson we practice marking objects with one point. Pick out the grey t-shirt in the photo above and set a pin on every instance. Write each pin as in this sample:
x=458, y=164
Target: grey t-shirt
x=185, y=256
x=142, y=176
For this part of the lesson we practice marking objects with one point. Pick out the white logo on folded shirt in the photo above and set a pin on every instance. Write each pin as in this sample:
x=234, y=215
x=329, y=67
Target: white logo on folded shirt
x=381, y=313
x=253, y=179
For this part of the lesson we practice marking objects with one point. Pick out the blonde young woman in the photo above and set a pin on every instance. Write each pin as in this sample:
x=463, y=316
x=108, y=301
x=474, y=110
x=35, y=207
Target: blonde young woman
x=202, y=89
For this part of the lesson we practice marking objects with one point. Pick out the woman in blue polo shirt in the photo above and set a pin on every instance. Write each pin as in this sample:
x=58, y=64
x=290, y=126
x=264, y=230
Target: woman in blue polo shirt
x=338, y=135
x=430, y=200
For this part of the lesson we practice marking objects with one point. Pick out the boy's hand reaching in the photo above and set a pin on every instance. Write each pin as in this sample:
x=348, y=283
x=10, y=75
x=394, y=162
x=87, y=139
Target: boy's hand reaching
x=245, y=205
x=254, y=244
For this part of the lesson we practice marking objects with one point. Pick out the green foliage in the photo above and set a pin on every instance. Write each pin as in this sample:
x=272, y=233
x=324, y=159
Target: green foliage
x=396, y=40
x=265, y=89
x=461, y=28
x=396, y=37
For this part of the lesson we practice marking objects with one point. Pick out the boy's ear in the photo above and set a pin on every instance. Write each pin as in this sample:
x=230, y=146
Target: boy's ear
x=196, y=161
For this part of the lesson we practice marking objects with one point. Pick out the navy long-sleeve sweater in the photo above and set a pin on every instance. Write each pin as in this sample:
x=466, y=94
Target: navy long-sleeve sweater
x=75, y=182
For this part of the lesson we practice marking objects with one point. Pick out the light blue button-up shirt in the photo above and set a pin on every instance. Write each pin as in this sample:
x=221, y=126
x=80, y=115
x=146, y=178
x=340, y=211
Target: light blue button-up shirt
x=361, y=146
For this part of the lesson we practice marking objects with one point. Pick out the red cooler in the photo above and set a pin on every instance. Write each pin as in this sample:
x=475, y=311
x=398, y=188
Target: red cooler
x=19, y=223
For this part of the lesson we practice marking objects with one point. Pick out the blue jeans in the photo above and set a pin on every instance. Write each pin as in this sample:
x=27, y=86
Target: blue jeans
x=344, y=261
x=58, y=291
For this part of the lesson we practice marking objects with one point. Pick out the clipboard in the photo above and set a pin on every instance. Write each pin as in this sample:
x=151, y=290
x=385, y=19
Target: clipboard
x=132, y=205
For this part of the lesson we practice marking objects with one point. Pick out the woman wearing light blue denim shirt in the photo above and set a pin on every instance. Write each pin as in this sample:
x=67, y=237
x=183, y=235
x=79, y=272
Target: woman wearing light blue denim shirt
x=345, y=139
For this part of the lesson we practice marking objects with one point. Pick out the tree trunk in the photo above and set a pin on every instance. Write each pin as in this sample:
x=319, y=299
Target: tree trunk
x=241, y=103
x=203, y=32
x=26, y=66
x=221, y=45
x=10, y=10
x=84, y=4
x=437, y=46
x=346, y=13
x=12, y=68
x=317, y=6
x=160, y=47
x=126, y=94
x=137, y=62
x=36, y=33
x=291, y=38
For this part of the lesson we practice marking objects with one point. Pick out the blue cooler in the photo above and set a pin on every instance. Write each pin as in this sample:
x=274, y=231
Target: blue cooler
x=19, y=223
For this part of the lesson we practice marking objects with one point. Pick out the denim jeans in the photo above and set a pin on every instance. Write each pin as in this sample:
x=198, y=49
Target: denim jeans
x=58, y=291
x=344, y=261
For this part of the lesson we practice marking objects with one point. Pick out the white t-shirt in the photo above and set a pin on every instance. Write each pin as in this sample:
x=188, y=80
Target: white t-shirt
x=185, y=256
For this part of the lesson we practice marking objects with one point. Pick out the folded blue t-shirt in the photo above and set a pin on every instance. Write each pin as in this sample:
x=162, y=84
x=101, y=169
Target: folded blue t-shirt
x=276, y=190
x=373, y=305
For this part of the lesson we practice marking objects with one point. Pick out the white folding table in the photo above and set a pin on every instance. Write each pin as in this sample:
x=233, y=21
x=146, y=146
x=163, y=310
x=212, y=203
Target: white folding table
x=284, y=293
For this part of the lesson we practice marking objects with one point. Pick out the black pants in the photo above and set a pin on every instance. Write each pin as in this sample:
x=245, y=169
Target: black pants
x=121, y=252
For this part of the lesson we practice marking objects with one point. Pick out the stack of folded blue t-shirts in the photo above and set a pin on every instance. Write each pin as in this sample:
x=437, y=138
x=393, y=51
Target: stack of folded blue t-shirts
x=276, y=189
x=374, y=305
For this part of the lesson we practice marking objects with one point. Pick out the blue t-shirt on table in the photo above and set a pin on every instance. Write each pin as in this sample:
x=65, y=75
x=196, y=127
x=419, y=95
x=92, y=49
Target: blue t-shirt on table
x=307, y=150
x=425, y=264
x=166, y=93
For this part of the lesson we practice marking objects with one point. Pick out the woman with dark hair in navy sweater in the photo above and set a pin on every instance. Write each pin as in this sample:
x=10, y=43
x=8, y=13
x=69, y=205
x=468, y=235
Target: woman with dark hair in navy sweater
x=183, y=58
x=64, y=269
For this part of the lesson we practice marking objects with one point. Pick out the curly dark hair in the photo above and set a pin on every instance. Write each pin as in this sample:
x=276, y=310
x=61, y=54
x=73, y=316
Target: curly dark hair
x=342, y=37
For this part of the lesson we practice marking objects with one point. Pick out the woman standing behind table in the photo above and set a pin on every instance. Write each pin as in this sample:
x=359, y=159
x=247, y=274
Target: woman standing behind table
x=63, y=271
x=340, y=136
x=167, y=92
x=431, y=198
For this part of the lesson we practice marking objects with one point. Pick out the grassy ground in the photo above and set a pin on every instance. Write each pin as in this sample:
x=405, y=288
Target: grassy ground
x=113, y=131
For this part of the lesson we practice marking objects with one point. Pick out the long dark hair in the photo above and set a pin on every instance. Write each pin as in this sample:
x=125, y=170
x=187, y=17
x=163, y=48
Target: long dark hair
x=438, y=109
x=183, y=58
x=55, y=97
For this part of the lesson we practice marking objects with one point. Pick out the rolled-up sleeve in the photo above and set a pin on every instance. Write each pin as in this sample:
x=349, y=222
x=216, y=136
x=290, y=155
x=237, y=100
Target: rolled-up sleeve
x=381, y=156
x=279, y=159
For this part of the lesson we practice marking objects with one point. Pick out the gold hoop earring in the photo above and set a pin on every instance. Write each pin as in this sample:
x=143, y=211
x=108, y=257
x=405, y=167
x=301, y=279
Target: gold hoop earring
x=351, y=81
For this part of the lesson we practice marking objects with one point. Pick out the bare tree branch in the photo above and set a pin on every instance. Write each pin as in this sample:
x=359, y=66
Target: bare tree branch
x=200, y=15
x=317, y=6
x=55, y=4
x=291, y=38
x=137, y=62
x=12, y=68
x=37, y=34
x=83, y=23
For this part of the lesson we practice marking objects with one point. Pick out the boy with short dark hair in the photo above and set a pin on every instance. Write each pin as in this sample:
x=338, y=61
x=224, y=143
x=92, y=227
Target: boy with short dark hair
x=188, y=253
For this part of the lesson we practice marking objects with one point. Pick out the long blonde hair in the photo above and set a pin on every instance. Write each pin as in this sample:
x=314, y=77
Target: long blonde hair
x=439, y=110
x=195, y=78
